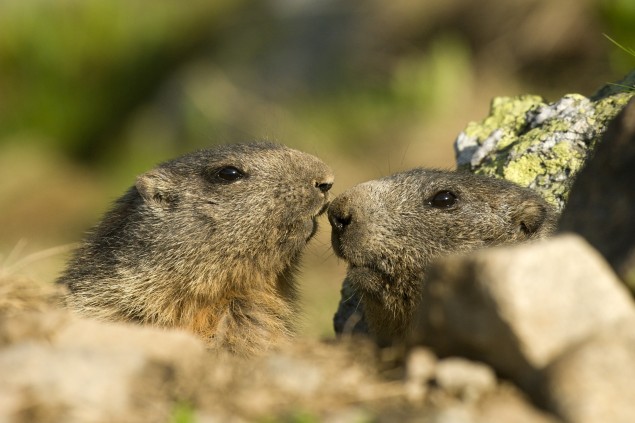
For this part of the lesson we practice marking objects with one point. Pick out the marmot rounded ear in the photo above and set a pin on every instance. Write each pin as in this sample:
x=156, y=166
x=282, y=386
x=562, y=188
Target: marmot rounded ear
x=533, y=217
x=155, y=187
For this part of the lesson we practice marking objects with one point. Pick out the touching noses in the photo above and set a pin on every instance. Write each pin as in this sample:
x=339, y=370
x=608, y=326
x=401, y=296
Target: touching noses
x=340, y=214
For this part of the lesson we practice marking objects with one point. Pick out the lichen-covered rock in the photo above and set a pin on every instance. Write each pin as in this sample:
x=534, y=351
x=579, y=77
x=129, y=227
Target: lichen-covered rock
x=538, y=144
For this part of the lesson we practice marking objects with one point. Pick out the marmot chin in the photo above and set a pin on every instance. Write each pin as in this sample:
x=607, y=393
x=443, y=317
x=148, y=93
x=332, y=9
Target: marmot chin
x=208, y=242
x=388, y=230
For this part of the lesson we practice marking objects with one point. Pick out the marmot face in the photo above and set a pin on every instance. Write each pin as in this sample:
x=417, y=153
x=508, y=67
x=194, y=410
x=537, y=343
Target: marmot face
x=240, y=203
x=388, y=230
x=207, y=242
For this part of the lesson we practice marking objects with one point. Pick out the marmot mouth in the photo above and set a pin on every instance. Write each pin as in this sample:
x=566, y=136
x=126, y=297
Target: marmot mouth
x=314, y=220
x=311, y=223
x=370, y=279
x=366, y=267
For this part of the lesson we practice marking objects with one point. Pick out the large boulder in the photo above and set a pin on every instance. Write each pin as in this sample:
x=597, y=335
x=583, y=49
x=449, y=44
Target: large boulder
x=595, y=380
x=518, y=308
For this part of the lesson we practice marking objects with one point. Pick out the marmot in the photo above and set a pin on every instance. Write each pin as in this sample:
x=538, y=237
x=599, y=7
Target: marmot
x=208, y=242
x=388, y=230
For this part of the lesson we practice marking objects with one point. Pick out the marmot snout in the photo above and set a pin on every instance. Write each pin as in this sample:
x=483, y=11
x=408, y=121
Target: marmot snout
x=207, y=242
x=388, y=231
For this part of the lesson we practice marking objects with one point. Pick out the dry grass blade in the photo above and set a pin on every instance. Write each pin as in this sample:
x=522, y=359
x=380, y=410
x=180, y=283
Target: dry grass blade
x=21, y=293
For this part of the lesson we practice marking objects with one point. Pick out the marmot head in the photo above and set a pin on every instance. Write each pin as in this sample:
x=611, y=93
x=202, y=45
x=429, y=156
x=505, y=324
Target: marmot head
x=388, y=230
x=254, y=203
x=206, y=224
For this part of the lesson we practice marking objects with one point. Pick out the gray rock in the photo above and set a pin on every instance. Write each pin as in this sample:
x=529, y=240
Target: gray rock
x=466, y=379
x=61, y=368
x=509, y=405
x=420, y=364
x=83, y=386
x=455, y=389
x=505, y=406
x=454, y=414
x=420, y=369
x=154, y=343
x=30, y=325
x=595, y=381
x=518, y=308
x=294, y=376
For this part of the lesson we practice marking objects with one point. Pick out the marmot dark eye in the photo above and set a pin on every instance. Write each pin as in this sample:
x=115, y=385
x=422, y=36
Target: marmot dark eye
x=229, y=174
x=443, y=200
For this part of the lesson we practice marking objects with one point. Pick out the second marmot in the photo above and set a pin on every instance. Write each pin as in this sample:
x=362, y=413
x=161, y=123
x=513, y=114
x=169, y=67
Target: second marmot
x=388, y=230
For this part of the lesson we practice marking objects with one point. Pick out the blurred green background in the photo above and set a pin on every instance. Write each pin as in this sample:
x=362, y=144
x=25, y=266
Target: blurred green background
x=94, y=92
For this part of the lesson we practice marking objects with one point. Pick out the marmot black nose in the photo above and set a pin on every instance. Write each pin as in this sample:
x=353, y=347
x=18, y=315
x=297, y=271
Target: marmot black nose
x=324, y=186
x=339, y=217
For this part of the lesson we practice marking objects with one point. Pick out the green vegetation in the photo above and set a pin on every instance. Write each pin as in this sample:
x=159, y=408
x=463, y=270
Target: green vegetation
x=183, y=413
x=627, y=85
x=106, y=81
x=73, y=71
x=619, y=16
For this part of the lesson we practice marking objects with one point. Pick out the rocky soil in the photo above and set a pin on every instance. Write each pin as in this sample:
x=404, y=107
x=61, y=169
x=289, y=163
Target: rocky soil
x=57, y=367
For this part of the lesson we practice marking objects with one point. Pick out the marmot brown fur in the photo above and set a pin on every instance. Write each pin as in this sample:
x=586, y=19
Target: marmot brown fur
x=208, y=242
x=388, y=231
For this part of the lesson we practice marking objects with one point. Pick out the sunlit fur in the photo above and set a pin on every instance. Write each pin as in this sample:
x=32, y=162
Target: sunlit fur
x=183, y=248
x=394, y=232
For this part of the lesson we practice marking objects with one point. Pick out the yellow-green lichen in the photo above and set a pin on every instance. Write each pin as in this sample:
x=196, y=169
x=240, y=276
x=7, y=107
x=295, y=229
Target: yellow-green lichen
x=564, y=157
x=507, y=114
x=524, y=171
x=609, y=107
x=537, y=144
